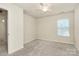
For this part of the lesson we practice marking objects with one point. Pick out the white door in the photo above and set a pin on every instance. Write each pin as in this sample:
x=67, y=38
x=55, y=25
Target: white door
x=14, y=26
x=15, y=29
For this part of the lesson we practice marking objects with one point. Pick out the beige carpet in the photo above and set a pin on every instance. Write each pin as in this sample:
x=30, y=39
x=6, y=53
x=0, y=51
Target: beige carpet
x=46, y=48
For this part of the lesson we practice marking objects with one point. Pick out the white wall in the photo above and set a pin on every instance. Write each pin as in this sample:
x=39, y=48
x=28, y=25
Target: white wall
x=29, y=28
x=76, y=21
x=47, y=28
x=15, y=27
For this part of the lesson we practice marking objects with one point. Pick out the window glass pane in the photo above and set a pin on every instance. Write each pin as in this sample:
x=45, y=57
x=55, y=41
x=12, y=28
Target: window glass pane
x=63, y=27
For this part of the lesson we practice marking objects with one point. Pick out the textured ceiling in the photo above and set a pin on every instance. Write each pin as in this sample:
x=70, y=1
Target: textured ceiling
x=34, y=10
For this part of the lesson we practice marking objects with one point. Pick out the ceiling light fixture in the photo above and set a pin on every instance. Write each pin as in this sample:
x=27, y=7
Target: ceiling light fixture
x=44, y=6
x=45, y=9
x=3, y=20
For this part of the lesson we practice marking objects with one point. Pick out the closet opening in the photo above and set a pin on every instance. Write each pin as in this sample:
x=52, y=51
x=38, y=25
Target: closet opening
x=3, y=31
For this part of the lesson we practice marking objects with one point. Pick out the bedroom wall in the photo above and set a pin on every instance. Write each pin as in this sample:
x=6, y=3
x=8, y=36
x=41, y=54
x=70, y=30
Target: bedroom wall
x=29, y=28
x=76, y=21
x=47, y=28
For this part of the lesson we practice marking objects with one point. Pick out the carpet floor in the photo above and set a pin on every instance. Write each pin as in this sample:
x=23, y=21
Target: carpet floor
x=45, y=48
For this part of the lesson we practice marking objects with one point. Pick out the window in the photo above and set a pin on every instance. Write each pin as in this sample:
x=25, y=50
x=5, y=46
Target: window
x=63, y=27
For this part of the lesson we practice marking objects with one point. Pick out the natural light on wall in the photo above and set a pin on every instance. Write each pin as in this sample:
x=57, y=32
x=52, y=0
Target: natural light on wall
x=63, y=27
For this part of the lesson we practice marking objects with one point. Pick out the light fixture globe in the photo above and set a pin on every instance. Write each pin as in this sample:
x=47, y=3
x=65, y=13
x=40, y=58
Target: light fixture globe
x=44, y=6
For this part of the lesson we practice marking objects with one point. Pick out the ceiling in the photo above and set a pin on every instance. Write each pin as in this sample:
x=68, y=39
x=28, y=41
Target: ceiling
x=34, y=10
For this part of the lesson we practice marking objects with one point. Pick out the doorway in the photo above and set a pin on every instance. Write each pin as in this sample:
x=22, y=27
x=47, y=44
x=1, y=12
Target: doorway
x=3, y=31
